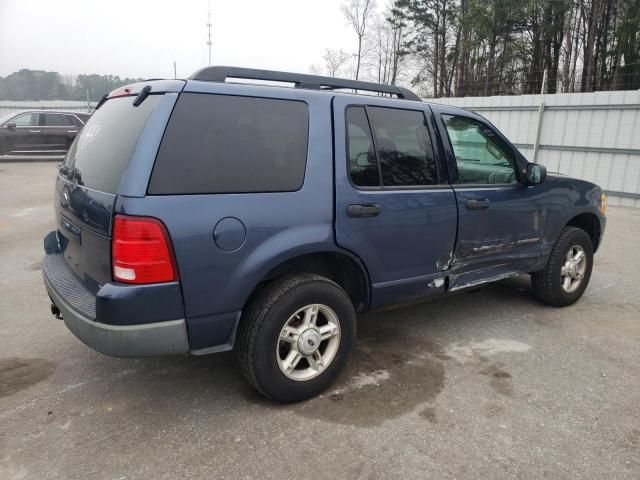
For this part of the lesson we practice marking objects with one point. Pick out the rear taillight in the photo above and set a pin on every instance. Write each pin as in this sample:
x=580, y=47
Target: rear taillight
x=141, y=251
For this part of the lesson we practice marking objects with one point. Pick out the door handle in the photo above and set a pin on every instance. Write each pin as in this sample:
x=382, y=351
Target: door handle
x=72, y=131
x=363, y=210
x=477, y=203
x=35, y=131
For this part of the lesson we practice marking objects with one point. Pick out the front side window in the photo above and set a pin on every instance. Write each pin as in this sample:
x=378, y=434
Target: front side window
x=481, y=156
x=26, y=120
x=232, y=144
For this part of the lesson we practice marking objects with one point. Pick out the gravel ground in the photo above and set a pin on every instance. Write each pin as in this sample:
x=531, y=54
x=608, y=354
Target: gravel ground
x=485, y=384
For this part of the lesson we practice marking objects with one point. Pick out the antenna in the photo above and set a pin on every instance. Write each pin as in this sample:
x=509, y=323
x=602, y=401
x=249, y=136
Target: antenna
x=209, y=28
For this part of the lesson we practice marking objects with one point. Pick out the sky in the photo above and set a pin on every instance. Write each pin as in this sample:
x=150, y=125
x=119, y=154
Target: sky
x=142, y=38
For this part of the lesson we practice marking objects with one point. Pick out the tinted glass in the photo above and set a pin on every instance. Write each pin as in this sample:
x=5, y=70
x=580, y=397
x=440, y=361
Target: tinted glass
x=57, y=120
x=363, y=166
x=83, y=117
x=26, y=120
x=224, y=144
x=404, y=147
x=481, y=156
x=101, y=152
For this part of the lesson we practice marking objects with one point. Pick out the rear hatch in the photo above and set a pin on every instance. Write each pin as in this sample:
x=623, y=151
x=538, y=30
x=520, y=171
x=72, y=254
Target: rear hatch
x=88, y=182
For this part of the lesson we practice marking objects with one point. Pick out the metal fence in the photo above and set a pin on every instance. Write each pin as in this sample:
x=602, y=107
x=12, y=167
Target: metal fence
x=7, y=107
x=594, y=136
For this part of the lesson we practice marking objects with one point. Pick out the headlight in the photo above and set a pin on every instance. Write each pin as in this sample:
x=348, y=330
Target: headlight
x=603, y=203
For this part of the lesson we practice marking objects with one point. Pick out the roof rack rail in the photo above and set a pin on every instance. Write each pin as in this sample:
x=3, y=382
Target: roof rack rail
x=300, y=80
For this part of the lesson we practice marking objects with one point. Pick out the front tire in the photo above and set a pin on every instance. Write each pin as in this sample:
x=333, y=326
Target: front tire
x=568, y=270
x=295, y=337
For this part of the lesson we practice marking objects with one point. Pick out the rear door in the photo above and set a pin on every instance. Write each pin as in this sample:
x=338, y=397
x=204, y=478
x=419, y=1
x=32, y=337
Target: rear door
x=394, y=207
x=58, y=131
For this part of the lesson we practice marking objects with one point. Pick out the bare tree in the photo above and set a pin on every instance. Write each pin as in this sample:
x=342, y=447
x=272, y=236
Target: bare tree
x=497, y=47
x=335, y=60
x=382, y=49
x=358, y=13
x=316, y=69
x=386, y=44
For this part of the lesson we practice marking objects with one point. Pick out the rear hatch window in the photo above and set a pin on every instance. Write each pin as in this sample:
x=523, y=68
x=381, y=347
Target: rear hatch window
x=101, y=152
x=85, y=196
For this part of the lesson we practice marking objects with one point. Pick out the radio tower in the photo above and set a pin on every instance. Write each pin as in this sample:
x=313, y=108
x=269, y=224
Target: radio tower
x=209, y=29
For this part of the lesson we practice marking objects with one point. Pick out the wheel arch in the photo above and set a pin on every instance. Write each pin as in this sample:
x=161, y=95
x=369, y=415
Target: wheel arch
x=340, y=266
x=590, y=223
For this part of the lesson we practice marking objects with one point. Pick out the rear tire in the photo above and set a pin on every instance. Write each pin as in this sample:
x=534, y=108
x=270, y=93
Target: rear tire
x=295, y=337
x=568, y=270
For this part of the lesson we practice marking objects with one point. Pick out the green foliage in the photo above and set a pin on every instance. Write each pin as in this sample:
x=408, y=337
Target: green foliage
x=40, y=85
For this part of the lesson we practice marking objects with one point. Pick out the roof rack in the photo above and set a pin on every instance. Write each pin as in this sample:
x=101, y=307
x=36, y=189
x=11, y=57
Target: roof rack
x=300, y=80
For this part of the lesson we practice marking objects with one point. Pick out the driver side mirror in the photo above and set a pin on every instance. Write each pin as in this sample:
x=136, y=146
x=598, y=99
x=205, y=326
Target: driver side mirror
x=11, y=126
x=535, y=173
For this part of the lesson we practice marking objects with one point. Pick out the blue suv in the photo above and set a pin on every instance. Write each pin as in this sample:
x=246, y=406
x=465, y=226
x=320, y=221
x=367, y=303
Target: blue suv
x=205, y=215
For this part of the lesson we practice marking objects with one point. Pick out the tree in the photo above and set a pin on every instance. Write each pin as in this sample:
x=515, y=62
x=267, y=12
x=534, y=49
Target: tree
x=358, y=14
x=40, y=85
x=493, y=47
x=334, y=61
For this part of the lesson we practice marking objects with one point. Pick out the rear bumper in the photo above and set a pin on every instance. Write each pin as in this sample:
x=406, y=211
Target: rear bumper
x=138, y=340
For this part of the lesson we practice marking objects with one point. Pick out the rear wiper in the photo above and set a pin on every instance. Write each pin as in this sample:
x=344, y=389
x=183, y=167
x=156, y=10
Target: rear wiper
x=144, y=93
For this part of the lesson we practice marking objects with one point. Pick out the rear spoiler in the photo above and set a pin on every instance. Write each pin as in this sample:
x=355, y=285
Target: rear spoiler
x=134, y=89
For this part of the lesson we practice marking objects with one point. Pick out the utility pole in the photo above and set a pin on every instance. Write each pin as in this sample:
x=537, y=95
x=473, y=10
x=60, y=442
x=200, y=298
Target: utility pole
x=175, y=74
x=209, y=29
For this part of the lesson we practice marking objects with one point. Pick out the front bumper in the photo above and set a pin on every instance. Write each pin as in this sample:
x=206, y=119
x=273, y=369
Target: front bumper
x=138, y=340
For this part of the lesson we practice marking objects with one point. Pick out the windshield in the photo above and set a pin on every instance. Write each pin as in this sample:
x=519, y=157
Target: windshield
x=102, y=150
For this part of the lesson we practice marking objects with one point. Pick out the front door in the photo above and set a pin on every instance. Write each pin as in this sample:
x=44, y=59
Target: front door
x=501, y=223
x=24, y=137
x=394, y=207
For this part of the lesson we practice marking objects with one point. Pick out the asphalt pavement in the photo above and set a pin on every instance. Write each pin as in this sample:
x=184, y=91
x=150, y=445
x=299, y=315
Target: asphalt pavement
x=484, y=384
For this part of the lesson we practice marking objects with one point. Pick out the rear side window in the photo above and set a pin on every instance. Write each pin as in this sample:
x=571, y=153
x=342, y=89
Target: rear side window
x=232, y=144
x=102, y=150
x=403, y=146
x=83, y=117
x=399, y=152
x=363, y=165
x=57, y=120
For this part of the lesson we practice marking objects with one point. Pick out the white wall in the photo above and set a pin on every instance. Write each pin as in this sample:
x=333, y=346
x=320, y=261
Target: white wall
x=594, y=136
